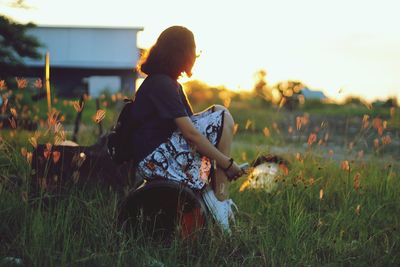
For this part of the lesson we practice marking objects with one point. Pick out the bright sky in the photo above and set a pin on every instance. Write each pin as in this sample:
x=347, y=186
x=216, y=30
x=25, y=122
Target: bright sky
x=341, y=47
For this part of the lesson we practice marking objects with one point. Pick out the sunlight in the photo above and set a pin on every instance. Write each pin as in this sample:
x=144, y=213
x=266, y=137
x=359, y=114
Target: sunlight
x=353, y=55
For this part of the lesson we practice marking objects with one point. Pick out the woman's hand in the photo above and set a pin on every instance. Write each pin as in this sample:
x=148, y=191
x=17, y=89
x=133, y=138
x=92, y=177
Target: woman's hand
x=203, y=145
x=234, y=172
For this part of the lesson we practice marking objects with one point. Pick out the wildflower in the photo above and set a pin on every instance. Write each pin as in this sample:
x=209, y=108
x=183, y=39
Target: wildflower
x=380, y=131
x=365, y=122
x=345, y=165
x=384, y=124
x=298, y=156
x=321, y=194
x=282, y=102
x=38, y=84
x=266, y=132
x=29, y=157
x=13, y=112
x=78, y=106
x=227, y=102
x=100, y=115
x=235, y=128
x=244, y=185
x=360, y=154
x=298, y=123
x=301, y=99
x=356, y=181
x=377, y=123
x=326, y=137
x=24, y=151
x=275, y=126
x=46, y=153
x=248, y=123
x=48, y=146
x=19, y=97
x=59, y=133
x=3, y=85
x=330, y=152
x=284, y=168
x=4, y=106
x=311, y=139
x=52, y=118
x=290, y=130
x=21, y=83
x=358, y=210
x=33, y=141
x=376, y=143
x=56, y=156
x=13, y=123
x=351, y=145
x=392, y=112
x=386, y=140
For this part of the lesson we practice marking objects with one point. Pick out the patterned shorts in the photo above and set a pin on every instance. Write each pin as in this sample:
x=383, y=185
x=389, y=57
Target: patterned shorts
x=177, y=160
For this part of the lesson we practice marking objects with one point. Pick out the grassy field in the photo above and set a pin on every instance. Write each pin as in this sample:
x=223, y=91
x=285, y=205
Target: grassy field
x=337, y=206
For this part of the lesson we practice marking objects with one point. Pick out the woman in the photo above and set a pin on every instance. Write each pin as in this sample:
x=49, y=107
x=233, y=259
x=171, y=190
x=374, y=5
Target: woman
x=169, y=140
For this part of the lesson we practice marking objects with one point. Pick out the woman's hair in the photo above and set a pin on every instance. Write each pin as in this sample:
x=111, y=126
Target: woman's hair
x=172, y=54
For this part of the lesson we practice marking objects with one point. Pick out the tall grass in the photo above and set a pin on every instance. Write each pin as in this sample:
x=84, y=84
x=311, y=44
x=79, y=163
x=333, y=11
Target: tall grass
x=324, y=212
x=291, y=226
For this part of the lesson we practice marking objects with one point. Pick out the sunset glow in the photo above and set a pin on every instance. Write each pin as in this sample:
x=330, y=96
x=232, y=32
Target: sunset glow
x=340, y=47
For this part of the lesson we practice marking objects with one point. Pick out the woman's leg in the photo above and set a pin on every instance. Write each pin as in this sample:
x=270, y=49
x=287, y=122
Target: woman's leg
x=221, y=183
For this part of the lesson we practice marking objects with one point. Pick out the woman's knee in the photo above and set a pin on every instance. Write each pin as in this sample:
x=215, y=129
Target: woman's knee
x=228, y=118
x=219, y=107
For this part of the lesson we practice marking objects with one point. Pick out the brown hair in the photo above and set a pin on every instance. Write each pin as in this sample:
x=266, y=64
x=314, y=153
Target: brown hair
x=172, y=54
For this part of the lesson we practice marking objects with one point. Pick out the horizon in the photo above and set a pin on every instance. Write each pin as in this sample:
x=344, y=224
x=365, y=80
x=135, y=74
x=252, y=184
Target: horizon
x=338, y=48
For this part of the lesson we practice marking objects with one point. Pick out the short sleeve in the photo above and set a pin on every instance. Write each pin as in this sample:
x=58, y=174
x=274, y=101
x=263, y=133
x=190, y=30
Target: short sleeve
x=165, y=96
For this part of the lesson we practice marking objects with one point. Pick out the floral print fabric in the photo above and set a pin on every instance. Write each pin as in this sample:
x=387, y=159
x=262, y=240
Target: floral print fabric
x=177, y=160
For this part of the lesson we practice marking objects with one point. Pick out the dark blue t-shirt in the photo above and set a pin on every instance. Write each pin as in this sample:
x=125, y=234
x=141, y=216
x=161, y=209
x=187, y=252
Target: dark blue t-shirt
x=158, y=101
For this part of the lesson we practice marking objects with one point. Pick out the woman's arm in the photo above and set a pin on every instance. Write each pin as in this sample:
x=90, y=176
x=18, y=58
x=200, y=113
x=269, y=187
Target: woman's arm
x=203, y=145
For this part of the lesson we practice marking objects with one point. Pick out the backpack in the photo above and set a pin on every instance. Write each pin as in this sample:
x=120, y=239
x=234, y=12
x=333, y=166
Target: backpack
x=119, y=139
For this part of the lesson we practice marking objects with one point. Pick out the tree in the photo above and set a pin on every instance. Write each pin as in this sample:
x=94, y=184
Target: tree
x=290, y=92
x=15, y=44
x=261, y=88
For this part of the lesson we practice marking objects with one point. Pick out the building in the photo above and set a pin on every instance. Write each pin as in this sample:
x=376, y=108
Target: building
x=313, y=95
x=87, y=59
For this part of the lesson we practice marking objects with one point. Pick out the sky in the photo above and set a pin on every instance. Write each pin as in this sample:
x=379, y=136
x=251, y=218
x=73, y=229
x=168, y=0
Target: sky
x=341, y=47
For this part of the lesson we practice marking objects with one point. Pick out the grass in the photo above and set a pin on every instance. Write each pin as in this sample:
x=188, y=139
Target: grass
x=346, y=224
x=291, y=226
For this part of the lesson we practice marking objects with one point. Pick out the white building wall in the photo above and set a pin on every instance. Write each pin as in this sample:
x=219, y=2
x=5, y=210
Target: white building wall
x=98, y=84
x=104, y=48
